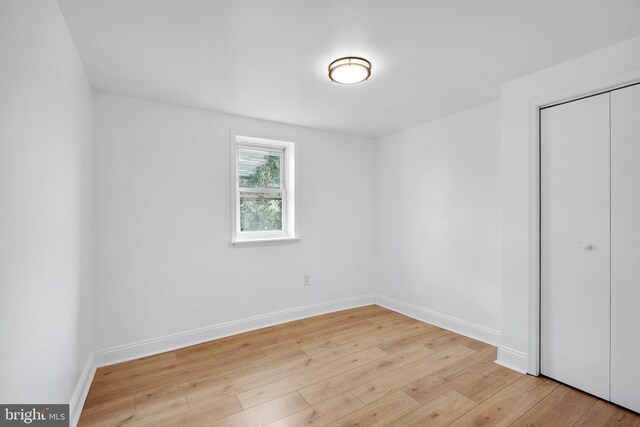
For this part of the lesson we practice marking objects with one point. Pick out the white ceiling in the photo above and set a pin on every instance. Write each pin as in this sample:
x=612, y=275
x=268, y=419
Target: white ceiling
x=268, y=58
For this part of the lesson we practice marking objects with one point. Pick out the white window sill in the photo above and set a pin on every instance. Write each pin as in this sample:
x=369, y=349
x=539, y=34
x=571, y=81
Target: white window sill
x=266, y=241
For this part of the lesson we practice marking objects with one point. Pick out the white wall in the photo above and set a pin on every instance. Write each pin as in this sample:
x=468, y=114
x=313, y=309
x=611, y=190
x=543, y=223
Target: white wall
x=439, y=221
x=45, y=206
x=163, y=264
x=591, y=73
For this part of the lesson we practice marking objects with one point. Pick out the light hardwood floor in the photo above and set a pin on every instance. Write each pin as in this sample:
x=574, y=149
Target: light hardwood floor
x=367, y=366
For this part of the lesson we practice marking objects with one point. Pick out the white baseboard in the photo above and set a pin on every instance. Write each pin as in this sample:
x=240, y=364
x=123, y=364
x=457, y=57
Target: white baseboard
x=512, y=359
x=462, y=327
x=80, y=392
x=221, y=330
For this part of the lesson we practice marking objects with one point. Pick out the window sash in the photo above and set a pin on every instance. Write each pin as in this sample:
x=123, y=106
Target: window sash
x=284, y=163
x=262, y=233
x=261, y=190
x=258, y=147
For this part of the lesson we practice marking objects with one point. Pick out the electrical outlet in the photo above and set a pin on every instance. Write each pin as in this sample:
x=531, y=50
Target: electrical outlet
x=307, y=280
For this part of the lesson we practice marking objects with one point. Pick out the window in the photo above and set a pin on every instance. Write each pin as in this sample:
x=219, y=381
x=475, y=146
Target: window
x=264, y=189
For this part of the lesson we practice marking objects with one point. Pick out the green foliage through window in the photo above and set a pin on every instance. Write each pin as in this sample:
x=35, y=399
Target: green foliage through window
x=260, y=213
x=266, y=175
x=260, y=169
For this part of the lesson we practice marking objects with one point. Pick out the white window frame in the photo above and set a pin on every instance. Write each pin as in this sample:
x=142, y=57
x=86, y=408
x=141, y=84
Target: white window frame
x=288, y=189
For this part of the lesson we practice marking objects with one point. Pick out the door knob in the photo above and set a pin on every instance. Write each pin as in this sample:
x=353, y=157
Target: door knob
x=587, y=246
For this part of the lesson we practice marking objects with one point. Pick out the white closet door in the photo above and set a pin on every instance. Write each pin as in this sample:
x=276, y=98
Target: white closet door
x=575, y=234
x=625, y=252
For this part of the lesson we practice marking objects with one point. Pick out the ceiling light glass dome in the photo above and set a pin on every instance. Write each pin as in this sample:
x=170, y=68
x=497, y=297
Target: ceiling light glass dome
x=349, y=70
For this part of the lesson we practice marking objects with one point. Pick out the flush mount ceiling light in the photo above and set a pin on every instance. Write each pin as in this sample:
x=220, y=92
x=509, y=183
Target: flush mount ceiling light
x=349, y=70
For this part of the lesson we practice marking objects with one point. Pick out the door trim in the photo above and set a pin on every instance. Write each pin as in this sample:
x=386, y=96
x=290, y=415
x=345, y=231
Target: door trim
x=596, y=87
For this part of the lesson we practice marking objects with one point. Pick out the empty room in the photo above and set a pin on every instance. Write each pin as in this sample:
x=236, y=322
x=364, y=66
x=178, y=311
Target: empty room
x=319, y=213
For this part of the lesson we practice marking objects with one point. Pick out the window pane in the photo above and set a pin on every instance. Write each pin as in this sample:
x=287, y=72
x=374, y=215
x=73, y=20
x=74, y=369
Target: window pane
x=260, y=211
x=259, y=168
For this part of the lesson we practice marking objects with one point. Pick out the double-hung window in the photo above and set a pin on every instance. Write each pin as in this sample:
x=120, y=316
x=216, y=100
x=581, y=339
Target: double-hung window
x=264, y=194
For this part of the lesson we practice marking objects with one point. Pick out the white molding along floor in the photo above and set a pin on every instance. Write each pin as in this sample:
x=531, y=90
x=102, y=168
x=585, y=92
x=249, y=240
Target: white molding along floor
x=82, y=389
x=459, y=326
x=196, y=336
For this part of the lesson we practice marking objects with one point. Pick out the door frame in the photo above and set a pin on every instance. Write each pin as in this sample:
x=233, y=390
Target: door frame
x=573, y=93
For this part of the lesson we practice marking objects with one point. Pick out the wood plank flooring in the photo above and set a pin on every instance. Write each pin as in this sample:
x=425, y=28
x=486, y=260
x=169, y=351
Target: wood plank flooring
x=367, y=366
